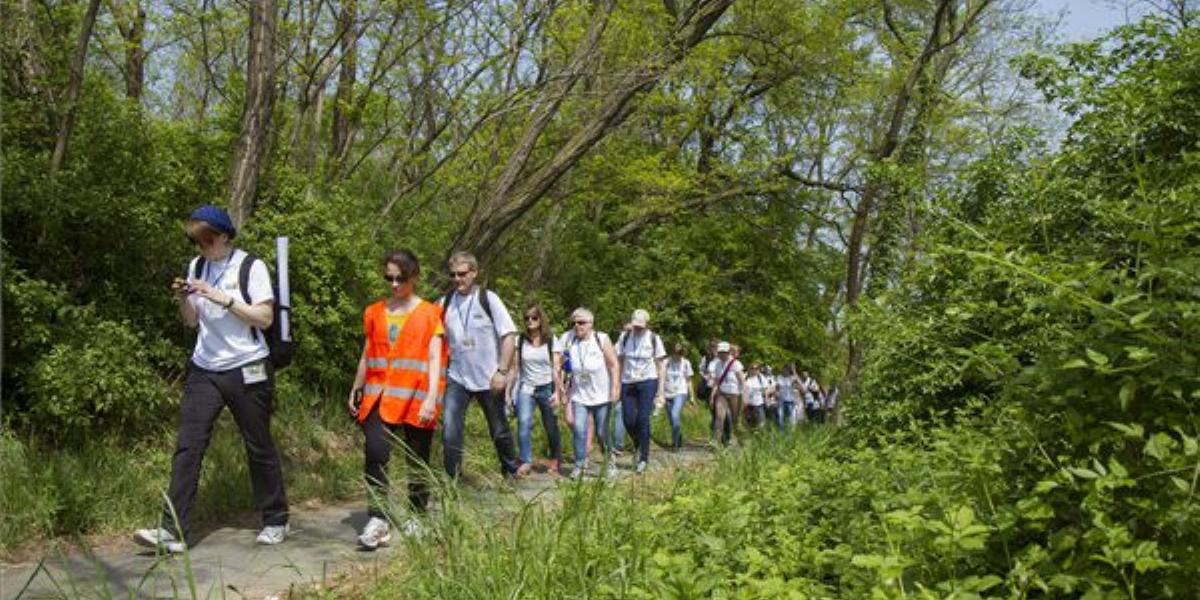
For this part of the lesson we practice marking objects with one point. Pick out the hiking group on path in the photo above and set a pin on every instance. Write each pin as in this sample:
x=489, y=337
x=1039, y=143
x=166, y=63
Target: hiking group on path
x=423, y=362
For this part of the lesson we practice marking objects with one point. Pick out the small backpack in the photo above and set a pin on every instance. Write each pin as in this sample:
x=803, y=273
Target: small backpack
x=282, y=351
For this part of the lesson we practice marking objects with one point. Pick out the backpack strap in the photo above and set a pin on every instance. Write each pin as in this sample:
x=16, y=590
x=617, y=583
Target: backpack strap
x=484, y=302
x=198, y=267
x=244, y=275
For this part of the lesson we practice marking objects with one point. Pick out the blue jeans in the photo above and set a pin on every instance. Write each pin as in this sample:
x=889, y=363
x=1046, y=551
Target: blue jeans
x=614, y=438
x=787, y=410
x=675, y=414
x=579, y=429
x=525, y=402
x=454, y=418
x=637, y=406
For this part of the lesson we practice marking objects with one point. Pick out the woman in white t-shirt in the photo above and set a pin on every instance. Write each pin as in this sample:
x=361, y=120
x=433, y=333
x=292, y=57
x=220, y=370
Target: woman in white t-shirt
x=678, y=389
x=595, y=383
x=728, y=376
x=532, y=383
x=755, y=393
x=785, y=390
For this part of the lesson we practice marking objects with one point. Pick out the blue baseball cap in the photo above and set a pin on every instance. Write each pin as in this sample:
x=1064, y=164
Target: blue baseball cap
x=218, y=218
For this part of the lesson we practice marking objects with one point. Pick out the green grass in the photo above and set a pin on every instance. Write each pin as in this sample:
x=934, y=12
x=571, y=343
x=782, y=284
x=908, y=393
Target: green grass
x=110, y=486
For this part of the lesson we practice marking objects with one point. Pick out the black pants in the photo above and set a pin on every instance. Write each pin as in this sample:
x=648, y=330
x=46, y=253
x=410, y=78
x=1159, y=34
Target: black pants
x=378, y=451
x=205, y=393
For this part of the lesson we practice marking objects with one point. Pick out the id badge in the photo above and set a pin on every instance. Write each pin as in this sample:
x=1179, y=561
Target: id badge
x=255, y=372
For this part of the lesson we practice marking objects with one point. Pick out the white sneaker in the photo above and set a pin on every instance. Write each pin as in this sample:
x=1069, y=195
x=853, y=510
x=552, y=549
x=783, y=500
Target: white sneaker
x=641, y=467
x=160, y=539
x=413, y=528
x=576, y=473
x=273, y=534
x=376, y=533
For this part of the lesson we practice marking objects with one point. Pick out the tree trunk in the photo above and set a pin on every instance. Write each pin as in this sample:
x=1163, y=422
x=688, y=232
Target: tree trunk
x=132, y=27
x=74, y=87
x=340, y=142
x=252, y=142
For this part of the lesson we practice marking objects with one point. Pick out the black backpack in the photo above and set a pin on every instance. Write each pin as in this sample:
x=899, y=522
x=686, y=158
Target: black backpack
x=282, y=351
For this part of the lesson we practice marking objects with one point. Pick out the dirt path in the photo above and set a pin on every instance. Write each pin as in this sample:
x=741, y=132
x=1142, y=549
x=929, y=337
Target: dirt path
x=226, y=563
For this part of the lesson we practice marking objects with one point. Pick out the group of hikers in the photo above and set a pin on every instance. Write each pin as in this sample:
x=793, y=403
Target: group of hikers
x=422, y=363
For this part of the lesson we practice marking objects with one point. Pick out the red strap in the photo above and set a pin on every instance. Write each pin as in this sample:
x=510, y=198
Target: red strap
x=725, y=373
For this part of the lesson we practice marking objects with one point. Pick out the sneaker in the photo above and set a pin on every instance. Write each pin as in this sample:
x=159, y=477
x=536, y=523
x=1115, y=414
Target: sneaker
x=273, y=534
x=160, y=539
x=522, y=471
x=553, y=467
x=375, y=534
x=576, y=473
x=641, y=467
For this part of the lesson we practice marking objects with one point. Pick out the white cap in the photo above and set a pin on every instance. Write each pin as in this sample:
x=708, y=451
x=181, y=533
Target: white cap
x=723, y=347
x=639, y=318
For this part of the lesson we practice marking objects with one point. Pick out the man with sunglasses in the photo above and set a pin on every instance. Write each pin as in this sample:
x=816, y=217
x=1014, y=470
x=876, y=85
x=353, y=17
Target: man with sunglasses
x=229, y=368
x=481, y=338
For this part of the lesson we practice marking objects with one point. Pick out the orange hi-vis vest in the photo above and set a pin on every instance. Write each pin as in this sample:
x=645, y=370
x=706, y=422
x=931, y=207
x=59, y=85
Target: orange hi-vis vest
x=397, y=374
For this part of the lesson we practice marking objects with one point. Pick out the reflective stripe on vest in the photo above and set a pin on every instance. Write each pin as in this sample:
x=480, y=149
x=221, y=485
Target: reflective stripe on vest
x=398, y=377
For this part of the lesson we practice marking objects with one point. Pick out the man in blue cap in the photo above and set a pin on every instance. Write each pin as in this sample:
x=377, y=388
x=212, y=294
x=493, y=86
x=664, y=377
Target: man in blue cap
x=229, y=368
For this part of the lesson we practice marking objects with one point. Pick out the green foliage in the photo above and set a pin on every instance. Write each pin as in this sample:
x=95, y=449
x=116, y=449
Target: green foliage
x=1064, y=288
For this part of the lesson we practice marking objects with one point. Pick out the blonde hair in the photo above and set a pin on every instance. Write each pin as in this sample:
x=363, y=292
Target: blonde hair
x=584, y=314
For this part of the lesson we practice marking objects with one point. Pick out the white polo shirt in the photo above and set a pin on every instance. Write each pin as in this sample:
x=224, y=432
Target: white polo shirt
x=475, y=339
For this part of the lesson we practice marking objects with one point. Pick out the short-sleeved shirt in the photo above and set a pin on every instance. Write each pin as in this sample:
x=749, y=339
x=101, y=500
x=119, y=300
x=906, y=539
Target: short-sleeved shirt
x=783, y=387
x=639, y=353
x=679, y=373
x=474, y=339
x=225, y=341
x=730, y=385
x=535, y=368
x=756, y=390
x=589, y=371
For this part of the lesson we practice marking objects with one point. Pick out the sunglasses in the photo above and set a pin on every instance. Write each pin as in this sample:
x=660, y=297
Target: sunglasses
x=459, y=274
x=582, y=322
x=531, y=318
x=395, y=278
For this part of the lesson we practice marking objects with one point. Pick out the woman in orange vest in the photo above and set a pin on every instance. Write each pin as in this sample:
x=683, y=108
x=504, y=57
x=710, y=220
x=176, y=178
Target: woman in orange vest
x=398, y=391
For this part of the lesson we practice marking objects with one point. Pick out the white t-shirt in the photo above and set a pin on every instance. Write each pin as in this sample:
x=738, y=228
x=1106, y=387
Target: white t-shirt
x=535, y=366
x=474, y=339
x=730, y=386
x=679, y=373
x=783, y=387
x=756, y=390
x=638, y=353
x=226, y=341
x=807, y=387
x=589, y=371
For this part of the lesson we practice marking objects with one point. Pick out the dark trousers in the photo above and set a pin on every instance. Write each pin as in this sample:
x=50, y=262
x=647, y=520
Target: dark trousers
x=637, y=406
x=205, y=393
x=378, y=451
x=454, y=418
x=773, y=414
x=756, y=415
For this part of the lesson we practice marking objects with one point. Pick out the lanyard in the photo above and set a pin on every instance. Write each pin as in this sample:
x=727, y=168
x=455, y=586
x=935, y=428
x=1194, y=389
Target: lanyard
x=466, y=319
x=221, y=275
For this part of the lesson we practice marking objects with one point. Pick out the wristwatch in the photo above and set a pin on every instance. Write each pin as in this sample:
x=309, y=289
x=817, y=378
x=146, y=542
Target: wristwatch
x=229, y=305
x=502, y=372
